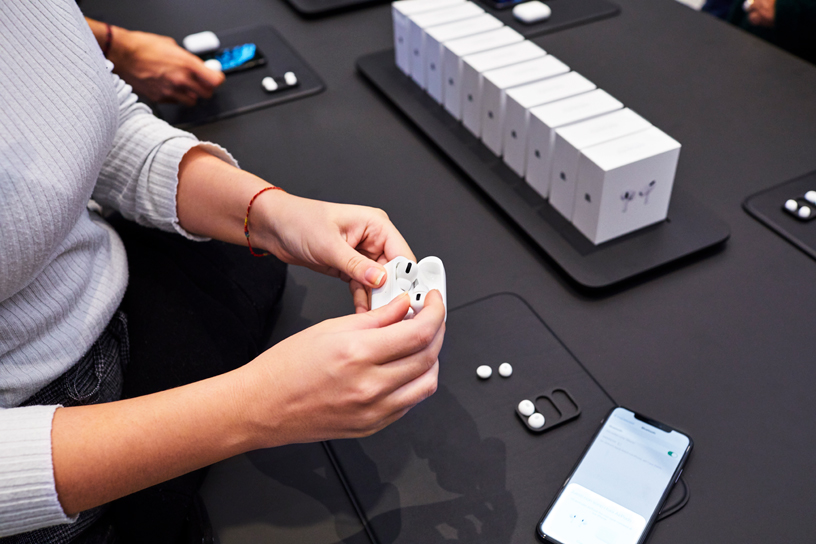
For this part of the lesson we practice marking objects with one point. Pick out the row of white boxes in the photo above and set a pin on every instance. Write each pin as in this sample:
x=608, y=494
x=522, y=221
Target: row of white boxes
x=602, y=166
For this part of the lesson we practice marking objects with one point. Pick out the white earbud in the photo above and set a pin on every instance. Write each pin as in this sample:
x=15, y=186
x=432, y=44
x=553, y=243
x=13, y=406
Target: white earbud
x=406, y=274
x=418, y=300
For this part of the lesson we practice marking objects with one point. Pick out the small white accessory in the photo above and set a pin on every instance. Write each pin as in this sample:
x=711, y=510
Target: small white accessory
x=804, y=212
x=213, y=64
x=417, y=279
x=532, y=12
x=791, y=205
x=290, y=78
x=526, y=408
x=505, y=370
x=747, y=5
x=484, y=372
x=269, y=84
x=201, y=42
x=810, y=196
x=536, y=420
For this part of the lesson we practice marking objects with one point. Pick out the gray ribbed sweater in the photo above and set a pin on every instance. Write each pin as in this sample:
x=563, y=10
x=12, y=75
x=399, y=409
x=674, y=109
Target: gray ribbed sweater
x=69, y=131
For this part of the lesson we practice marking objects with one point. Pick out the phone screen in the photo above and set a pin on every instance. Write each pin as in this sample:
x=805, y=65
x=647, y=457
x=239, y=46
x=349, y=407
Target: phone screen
x=618, y=486
x=240, y=57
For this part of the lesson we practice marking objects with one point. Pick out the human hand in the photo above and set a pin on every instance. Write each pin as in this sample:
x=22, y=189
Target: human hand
x=159, y=69
x=346, y=377
x=349, y=242
x=761, y=12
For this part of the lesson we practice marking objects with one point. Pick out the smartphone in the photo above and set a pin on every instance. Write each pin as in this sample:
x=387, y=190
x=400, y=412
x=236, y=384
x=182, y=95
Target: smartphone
x=616, y=490
x=238, y=58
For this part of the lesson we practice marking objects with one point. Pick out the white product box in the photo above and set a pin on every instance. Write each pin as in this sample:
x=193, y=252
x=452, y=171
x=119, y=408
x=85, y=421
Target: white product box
x=436, y=36
x=543, y=121
x=399, y=13
x=570, y=140
x=424, y=21
x=475, y=66
x=453, y=63
x=498, y=82
x=521, y=100
x=625, y=184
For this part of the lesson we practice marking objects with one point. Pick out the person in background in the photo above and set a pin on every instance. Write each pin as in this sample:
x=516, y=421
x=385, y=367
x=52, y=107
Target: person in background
x=155, y=66
x=789, y=24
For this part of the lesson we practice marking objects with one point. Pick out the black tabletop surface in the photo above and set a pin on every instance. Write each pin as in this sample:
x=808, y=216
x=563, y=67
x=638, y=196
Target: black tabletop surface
x=720, y=347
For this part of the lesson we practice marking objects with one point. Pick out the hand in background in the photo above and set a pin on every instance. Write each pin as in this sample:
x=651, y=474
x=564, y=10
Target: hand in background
x=156, y=66
x=761, y=12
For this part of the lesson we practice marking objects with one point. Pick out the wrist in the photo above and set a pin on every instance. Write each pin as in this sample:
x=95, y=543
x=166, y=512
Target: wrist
x=266, y=218
x=119, y=50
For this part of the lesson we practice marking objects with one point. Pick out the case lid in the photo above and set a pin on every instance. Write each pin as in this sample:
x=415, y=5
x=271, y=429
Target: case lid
x=632, y=148
x=604, y=128
x=550, y=90
x=576, y=108
x=467, y=27
x=504, y=56
x=526, y=72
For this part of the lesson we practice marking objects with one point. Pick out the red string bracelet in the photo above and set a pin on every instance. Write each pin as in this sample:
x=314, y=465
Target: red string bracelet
x=246, y=220
x=108, y=40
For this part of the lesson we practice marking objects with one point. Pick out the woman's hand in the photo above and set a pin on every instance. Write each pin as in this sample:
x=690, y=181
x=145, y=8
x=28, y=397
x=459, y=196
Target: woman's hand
x=345, y=377
x=157, y=67
x=349, y=242
x=761, y=12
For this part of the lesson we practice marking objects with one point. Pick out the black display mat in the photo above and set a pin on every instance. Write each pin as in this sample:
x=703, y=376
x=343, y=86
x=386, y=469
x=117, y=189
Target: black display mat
x=690, y=228
x=241, y=92
x=461, y=464
x=565, y=13
x=766, y=206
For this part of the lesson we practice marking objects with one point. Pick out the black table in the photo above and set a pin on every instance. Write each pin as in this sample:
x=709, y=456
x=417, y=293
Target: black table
x=720, y=347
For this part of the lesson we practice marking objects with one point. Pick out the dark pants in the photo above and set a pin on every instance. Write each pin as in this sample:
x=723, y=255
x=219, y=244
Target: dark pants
x=195, y=310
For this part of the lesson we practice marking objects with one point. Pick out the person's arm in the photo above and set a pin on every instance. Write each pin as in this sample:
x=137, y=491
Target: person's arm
x=155, y=66
x=346, y=377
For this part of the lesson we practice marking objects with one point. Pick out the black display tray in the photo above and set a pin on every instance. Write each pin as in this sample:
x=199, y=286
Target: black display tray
x=766, y=206
x=565, y=13
x=690, y=228
x=241, y=92
x=461, y=466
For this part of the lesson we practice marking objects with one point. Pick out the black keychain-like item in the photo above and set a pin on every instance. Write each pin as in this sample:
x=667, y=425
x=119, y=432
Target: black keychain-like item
x=561, y=407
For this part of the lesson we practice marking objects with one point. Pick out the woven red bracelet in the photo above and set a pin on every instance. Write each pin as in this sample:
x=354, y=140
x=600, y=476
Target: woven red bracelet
x=246, y=220
x=108, y=40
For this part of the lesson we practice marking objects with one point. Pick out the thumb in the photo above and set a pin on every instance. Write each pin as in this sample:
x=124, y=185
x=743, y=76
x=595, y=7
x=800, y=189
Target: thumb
x=210, y=79
x=349, y=262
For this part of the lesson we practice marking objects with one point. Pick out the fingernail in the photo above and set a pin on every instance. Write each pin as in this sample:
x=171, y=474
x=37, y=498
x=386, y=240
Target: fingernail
x=374, y=276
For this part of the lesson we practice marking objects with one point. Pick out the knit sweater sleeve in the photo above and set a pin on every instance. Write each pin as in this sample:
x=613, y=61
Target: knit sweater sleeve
x=28, y=496
x=139, y=178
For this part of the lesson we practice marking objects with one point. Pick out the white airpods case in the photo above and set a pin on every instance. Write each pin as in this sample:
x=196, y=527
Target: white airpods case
x=570, y=140
x=436, y=36
x=400, y=11
x=543, y=121
x=420, y=23
x=625, y=184
x=474, y=68
x=453, y=65
x=521, y=100
x=498, y=82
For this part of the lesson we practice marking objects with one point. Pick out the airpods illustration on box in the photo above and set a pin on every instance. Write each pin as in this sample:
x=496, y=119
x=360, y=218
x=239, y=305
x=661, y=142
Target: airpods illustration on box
x=629, y=196
x=403, y=275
